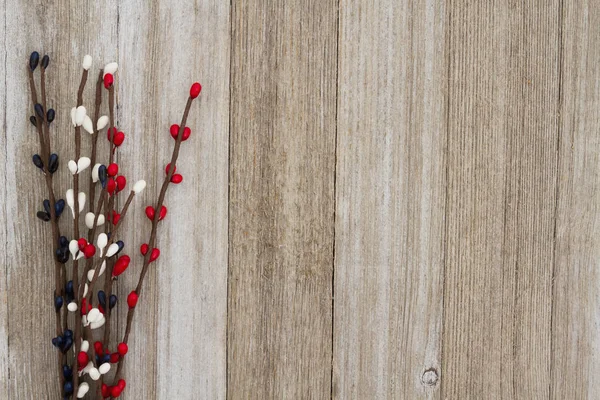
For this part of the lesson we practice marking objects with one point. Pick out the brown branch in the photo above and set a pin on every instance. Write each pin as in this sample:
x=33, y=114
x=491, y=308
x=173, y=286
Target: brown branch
x=46, y=135
x=99, y=84
x=45, y=150
x=108, y=207
x=108, y=293
x=89, y=262
x=107, y=312
x=92, y=231
x=88, y=331
x=91, y=235
x=151, y=242
x=46, y=124
x=112, y=127
x=112, y=240
x=77, y=336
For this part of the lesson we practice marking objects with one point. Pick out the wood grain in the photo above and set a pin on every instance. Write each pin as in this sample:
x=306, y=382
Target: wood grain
x=390, y=200
x=575, y=336
x=4, y=210
x=172, y=65
x=48, y=27
x=281, y=199
x=380, y=199
x=501, y=199
x=178, y=345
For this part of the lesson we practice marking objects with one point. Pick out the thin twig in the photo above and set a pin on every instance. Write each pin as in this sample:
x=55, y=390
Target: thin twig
x=77, y=337
x=151, y=242
x=44, y=149
x=112, y=240
x=91, y=233
x=92, y=230
x=99, y=84
x=108, y=293
x=112, y=127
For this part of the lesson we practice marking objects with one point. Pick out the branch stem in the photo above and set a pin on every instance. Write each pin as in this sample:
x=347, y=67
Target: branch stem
x=99, y=84
x=58, y=268
x=152, y=240
x=78, y=336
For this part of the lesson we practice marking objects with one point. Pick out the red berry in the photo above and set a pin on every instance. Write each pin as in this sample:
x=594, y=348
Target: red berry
x=132, y=299
x=89, y=251
x=111, y=185
x=169, y=166
x=108, y=80
x=121, y=182
x=174, y=130
x=82, y=243
x=150, y=213
x=105, y=390
x=154, y=255
x=121, y=265
x=98, y=348
x=163, y=212
x=122, y=348
x=115, y=391
x=118, y=139
x=82, y=359
x=115, y=218
x=114, y=358
x=110, y=133
x=186, y=134
x=176, y=178
x=85, y=308
x=112, y=169
x=195, y=90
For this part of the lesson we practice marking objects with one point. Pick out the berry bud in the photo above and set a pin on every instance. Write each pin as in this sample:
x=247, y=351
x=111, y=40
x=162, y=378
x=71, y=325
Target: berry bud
x=132, y=299
x=108, y=80
x=195, y=90
x=122, y=348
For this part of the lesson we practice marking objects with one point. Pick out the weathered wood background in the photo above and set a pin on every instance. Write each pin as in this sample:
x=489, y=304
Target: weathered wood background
x=382, y=200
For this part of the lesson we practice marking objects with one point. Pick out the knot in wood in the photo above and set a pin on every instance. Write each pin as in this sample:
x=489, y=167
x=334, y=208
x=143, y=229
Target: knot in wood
x=430, y=377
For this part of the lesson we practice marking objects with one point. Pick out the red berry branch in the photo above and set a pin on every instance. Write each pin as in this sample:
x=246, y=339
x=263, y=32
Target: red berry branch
x=91, y=360
x=183, y=133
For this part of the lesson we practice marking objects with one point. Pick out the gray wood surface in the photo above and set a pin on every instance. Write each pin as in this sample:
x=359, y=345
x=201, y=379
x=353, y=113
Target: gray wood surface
x=390, y=200
x=4, y=257
x=282, y=163
x=381, y=200
x=575, y=321
x=503, y=130
x=179, y=345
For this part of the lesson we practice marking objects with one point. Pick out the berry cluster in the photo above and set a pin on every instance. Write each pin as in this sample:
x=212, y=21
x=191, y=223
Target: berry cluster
x=96, y=245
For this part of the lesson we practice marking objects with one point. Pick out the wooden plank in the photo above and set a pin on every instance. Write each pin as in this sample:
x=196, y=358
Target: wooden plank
x=501, y=199
x=178, y=346
x=48, y=27
x=390, y=200
x=575, y=336
x=6, y=255
x=281, y=199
